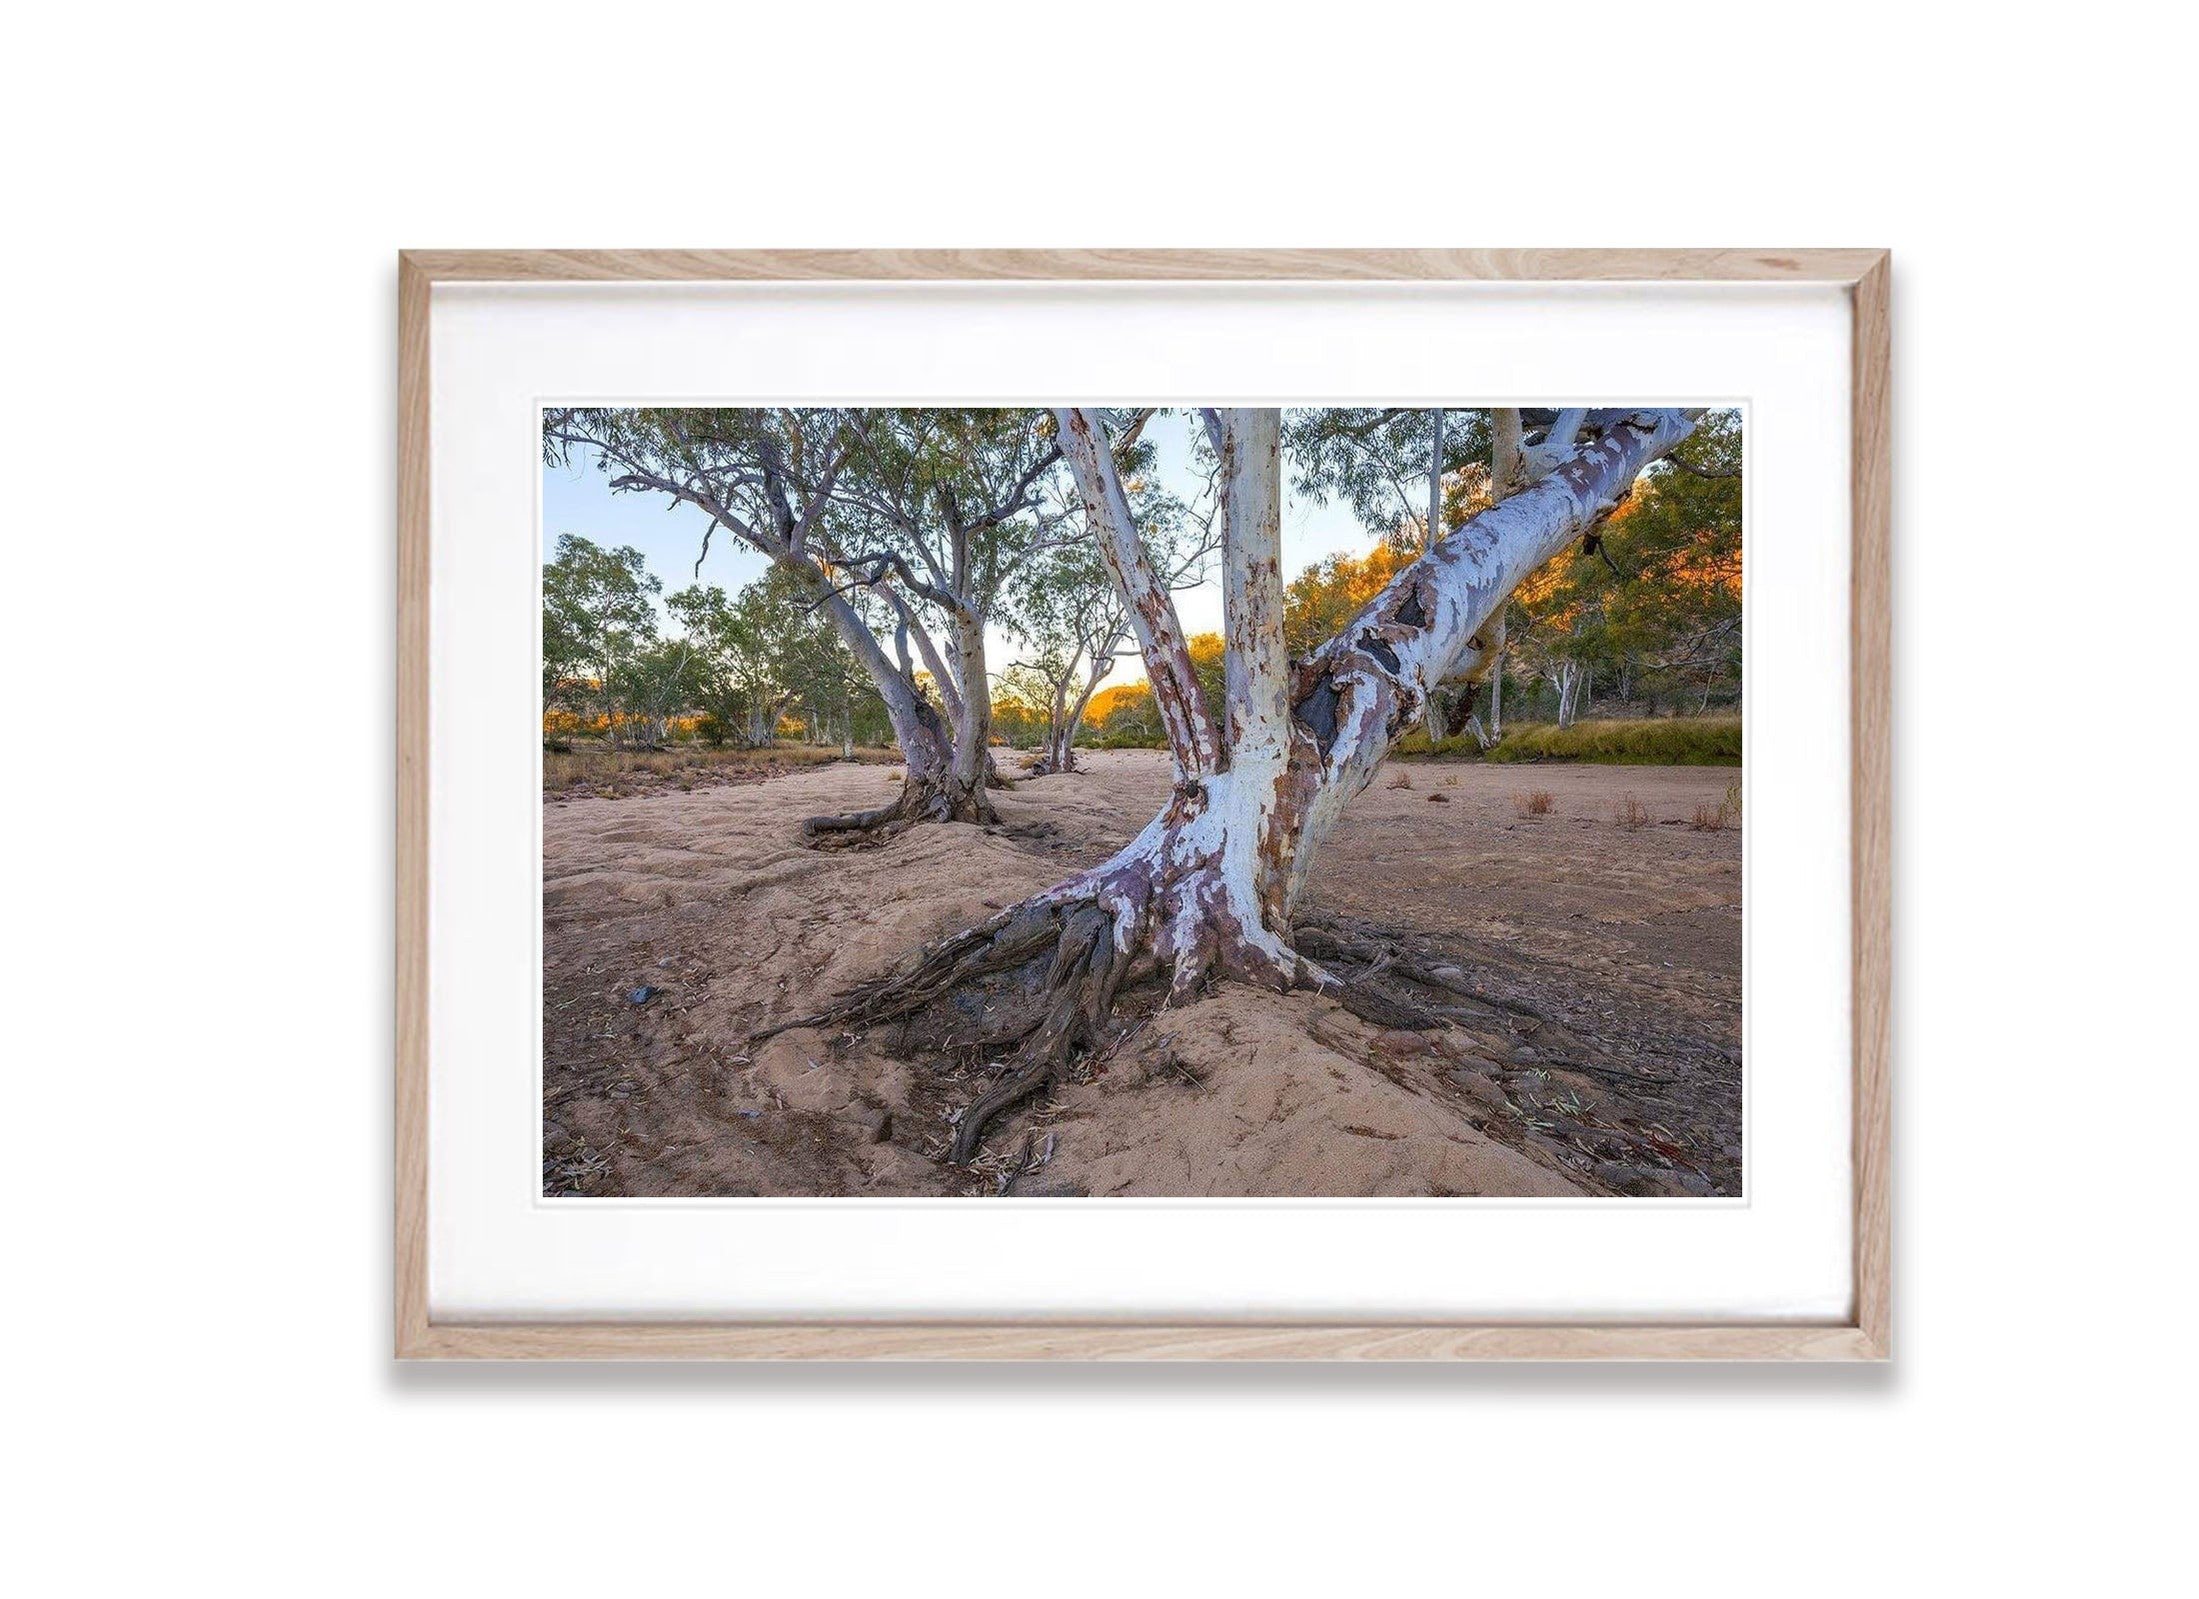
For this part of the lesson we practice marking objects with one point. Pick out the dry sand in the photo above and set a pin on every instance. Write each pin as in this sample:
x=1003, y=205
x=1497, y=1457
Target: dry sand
x=1608, y=1063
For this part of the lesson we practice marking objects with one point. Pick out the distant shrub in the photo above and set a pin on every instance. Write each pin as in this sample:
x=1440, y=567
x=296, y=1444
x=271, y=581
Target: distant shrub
x=1658, y=741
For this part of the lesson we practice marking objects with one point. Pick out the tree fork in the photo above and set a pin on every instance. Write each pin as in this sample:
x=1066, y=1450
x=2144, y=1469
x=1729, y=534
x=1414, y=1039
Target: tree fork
x=1206, y=889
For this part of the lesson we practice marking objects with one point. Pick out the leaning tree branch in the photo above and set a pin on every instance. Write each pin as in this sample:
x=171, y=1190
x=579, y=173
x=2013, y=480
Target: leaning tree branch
x=878, y=561
x=1019, y=496
x=949, y=691
x=1183, y=709
x=820, y=496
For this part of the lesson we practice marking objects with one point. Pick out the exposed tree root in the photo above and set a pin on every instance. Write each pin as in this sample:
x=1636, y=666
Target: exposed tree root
x=1371, y=1004
x=1056, y=1010
x=1040, y=978
x=1080, y=990
x=920, y=800
x=1045, y=973
x=856, y=829
x=1327, y=939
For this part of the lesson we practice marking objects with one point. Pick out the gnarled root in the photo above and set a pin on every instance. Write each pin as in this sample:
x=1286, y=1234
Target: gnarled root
x=1345, y=946
x=1049, y=968
x=1010, y=939
x=1080, y=991
x=1074, y=997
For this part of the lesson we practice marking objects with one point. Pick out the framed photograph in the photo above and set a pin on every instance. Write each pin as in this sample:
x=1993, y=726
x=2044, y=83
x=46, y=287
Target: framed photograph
x=1143, y=804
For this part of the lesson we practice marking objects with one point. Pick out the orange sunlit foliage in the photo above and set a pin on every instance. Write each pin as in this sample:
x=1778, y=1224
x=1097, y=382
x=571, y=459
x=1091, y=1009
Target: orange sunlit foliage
x=1701, y=567
x=1128, y=709
x=1110, y=700
x=1321, y=599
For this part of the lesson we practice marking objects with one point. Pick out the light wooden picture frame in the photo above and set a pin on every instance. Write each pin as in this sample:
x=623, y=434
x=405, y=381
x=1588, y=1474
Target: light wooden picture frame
x=1864, y=1334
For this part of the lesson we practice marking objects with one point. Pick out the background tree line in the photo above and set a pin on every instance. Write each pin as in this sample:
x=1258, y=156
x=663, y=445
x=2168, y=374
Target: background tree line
x=897, y=538
x=736, y=669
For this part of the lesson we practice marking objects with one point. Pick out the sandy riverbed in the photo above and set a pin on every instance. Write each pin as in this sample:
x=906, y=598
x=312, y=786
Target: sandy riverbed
x=1608, y=1060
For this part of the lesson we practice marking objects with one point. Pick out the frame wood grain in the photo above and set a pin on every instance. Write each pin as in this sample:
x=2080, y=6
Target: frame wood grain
x=1865, y=1335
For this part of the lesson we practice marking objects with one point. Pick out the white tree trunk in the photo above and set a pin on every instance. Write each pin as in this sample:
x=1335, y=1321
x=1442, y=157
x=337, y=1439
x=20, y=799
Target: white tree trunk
x=1247, y=805
x=973, y=726
x=1245, y=828
x=1496, y=685
x=1100, y=662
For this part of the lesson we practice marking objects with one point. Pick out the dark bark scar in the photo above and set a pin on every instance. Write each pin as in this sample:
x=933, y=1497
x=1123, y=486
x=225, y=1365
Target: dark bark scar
x=1379, y=647
x=1316, y=708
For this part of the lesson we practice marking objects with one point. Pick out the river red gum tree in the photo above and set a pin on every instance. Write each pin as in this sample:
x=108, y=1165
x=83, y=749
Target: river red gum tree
x=1206, y=890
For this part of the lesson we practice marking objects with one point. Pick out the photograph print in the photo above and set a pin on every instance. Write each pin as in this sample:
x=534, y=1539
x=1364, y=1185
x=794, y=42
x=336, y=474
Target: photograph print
x=1082, y=803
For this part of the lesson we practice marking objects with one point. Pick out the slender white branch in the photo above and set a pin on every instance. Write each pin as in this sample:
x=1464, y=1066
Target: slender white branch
x=1184, y=714
x=1541, y=459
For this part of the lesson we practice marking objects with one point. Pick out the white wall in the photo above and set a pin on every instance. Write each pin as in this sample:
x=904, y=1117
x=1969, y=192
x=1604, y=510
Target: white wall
x=200, y=366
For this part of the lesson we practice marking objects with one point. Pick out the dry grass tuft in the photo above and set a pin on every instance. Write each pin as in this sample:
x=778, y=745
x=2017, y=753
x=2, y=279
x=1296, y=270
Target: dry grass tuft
x=1403, y=779
x=1726, y=813
x=1632, y=813
x=1536, y=802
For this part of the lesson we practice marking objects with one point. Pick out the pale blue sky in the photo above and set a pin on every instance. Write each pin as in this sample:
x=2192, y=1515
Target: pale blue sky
x=578, y=499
